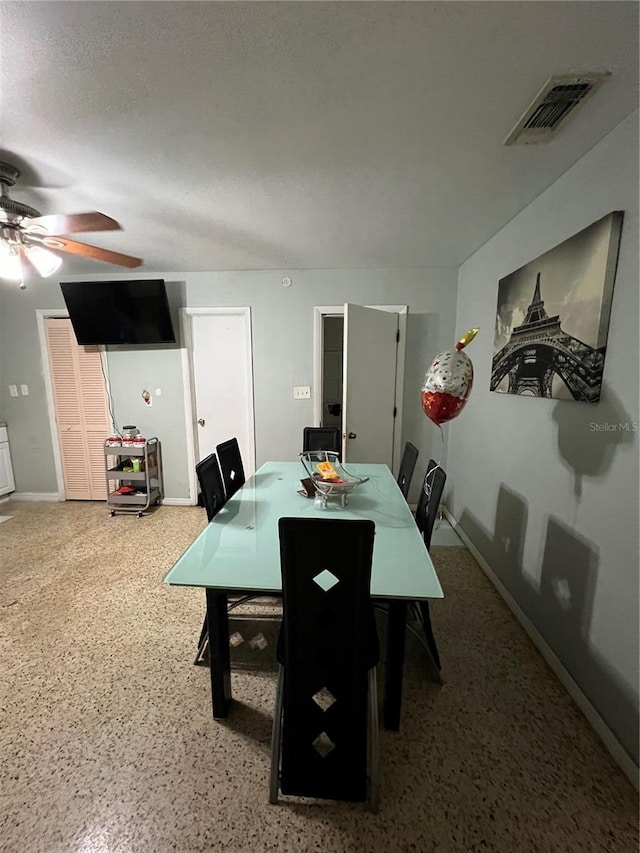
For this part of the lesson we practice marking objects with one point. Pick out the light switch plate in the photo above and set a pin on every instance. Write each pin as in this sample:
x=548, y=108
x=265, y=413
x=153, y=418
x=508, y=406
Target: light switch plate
x=24, y=390
x=301, y=392
x=13, y=390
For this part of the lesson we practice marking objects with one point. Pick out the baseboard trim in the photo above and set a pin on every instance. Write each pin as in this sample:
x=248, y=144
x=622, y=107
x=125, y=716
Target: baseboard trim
x=611, y=742
x=54, y=496
x=35, y=496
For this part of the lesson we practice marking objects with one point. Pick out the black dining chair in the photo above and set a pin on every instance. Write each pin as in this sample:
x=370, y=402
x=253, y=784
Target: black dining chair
x=214, y=498
x=231, y=466
x=429, y=500
x=325, y=728
x=407, y=467
x=426, y=514
x=418, y=616
x=211, y=485
x=322, y=438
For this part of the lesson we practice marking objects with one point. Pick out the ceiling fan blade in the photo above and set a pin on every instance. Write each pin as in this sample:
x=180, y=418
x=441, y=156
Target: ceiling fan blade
x=71, y=223
x=63, y=245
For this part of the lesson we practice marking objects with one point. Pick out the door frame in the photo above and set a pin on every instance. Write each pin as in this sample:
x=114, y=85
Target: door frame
x=189, y=384
x=43, y=314
x=322, y=311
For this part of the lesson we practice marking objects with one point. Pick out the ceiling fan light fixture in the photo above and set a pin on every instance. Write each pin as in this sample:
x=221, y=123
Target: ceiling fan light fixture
x=51, y=241
x=22, y=226
x=10, y=264
x=43, y=260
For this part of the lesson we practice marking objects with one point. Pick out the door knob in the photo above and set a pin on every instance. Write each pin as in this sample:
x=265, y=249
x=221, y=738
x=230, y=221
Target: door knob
x=201, y=421
x=352, y=435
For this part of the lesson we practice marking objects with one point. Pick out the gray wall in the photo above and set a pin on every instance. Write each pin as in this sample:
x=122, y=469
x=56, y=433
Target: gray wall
x=550, y=504
x=282, y=321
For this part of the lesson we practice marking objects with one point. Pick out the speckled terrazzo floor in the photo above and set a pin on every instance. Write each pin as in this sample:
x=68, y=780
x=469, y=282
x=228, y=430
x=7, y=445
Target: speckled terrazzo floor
x=108, y=746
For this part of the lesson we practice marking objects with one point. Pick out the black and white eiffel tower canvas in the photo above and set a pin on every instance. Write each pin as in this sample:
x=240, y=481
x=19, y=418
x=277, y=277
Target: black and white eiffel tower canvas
x=552, y=318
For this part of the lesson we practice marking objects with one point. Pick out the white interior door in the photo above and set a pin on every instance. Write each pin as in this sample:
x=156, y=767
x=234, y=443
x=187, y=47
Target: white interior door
x=369, y=384
x=223, y=381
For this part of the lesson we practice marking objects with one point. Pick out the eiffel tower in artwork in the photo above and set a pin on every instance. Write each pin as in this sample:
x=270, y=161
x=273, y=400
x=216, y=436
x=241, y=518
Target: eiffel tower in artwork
x=539, y=349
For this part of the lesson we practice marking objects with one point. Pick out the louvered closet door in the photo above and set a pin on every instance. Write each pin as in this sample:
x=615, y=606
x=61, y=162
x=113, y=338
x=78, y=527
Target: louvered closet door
x=80, y=403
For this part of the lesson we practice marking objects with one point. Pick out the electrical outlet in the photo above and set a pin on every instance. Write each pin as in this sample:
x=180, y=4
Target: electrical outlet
x=301, y=392
x=24, y=390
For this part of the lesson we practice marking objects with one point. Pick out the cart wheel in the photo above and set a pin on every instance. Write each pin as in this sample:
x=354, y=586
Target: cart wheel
x=112, y=512
x=139, y=515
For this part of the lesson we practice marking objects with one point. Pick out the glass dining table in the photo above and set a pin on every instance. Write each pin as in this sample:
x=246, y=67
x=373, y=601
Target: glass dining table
x=238, y=553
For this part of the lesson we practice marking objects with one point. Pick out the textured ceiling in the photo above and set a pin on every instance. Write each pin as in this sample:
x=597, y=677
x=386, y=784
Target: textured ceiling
x=241, y=135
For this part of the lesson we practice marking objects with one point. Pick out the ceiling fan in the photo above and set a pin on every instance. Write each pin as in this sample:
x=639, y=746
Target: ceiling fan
x=28, y=239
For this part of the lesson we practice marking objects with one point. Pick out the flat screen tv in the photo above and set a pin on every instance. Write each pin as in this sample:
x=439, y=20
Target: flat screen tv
x=119, y=312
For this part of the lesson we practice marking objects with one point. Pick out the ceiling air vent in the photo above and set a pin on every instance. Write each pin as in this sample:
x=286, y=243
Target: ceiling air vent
x=557, y=99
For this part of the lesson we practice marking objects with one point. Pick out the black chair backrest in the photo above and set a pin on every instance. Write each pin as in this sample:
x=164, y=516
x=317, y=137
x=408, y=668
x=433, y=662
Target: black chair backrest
x=208, y=474
x=328, y=643
x=429, y=500
x=231, y=466
x=322, y=438
x=407, y=467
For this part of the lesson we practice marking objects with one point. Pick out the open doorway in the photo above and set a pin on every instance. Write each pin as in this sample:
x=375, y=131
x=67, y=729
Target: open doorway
x=332, y=355
x=368, y=343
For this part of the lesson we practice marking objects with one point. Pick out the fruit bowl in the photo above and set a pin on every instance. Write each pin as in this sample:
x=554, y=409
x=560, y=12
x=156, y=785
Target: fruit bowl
x=330, y=479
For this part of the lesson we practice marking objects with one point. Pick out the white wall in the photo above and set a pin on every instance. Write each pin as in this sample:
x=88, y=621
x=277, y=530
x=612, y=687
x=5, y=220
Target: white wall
x=282, y=320
x=550, y=504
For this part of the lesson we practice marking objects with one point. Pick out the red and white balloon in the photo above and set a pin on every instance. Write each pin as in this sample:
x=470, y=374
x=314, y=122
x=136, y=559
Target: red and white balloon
x=448, y=382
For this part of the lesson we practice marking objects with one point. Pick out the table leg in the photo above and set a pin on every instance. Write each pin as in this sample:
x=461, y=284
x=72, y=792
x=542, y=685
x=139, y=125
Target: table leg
x=396, y=625
x=219, y=658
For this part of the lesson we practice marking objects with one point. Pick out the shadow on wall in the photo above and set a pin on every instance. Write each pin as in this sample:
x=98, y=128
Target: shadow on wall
x=423, y=334
x=561, y=608
x=588, y=436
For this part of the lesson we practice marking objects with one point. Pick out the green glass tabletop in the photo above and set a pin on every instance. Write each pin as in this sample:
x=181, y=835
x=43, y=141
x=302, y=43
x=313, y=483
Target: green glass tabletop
x=239, y=549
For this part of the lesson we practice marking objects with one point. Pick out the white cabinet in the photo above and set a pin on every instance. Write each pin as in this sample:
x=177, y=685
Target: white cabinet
x=6, y=471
